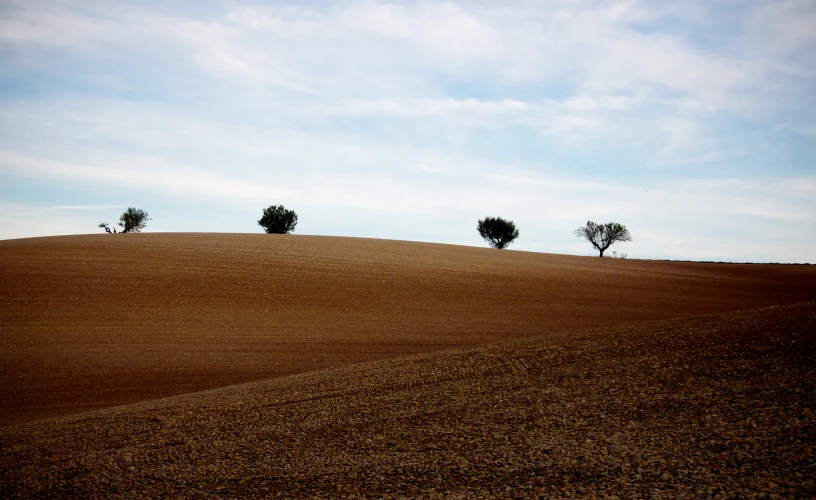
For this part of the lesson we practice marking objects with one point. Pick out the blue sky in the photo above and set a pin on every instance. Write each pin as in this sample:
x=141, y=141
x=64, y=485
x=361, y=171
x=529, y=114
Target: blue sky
x=692, y=123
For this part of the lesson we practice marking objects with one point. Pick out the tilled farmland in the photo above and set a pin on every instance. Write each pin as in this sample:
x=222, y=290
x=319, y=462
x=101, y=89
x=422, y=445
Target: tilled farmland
x=93, y=321
x=715, y=407
x=397, y=369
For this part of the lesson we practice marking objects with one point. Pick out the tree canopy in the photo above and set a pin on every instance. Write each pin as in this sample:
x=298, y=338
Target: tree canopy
x=602, y=236
x=133, y=220
x=497, y=232
x=278, y=220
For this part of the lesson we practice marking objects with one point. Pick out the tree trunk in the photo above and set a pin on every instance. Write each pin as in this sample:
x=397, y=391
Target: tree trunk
x=602, y=251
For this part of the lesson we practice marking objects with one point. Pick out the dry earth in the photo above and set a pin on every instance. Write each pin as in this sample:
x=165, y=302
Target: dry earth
x=712, y=407
x=94, y=321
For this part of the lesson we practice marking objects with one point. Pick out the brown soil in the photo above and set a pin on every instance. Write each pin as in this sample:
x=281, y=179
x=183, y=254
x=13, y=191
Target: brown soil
x=88, y=322
x=712, y=407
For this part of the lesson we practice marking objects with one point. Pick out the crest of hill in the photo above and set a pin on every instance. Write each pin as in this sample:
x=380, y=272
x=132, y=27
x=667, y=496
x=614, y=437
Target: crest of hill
x=700, y=407
x=103, y=320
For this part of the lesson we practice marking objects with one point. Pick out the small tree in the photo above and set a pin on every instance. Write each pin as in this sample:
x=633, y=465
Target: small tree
x=497, y=232
x=602, y=236
x=132, y=220
x=278, y=220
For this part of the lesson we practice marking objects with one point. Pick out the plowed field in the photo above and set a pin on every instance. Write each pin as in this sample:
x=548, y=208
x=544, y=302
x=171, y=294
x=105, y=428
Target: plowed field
x=94, y=321
x=711, y=407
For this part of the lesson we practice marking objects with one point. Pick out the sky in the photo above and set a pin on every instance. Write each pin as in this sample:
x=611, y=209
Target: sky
x=692, y=123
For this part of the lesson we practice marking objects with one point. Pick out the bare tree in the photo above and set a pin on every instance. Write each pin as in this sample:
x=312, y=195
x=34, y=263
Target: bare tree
x=602, y=236
x=107, y=227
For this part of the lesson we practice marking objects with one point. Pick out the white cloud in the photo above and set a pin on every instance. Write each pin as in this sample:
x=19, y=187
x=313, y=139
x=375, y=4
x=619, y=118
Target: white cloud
x=445, y=29
x=784, y=26
x=48, y=24
x=386, y=49
x=550, y=112
x=442, y=108
x=25, y=220
x=144, y=172
x=58, y=208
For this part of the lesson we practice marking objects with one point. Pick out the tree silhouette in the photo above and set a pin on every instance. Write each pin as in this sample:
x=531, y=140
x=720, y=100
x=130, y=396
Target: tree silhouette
x=497, y=232
x=132, y=220
x=602, y=236
x=278, y=220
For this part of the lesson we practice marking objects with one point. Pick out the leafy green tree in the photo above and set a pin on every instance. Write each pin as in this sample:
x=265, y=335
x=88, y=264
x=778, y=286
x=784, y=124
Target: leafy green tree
x=497, y=232
x=132, y=220
x=602, y=236
x=278, y=220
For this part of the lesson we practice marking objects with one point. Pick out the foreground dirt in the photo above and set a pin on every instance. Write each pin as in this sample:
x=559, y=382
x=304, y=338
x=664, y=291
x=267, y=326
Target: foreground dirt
x=714, y=407
x=93, y=321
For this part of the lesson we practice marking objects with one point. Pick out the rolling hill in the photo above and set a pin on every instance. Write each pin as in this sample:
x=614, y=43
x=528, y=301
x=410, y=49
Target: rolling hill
x=95, y=321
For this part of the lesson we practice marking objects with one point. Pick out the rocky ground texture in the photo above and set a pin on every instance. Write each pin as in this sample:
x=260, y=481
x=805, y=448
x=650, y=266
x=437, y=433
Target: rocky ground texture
x=713, y=407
